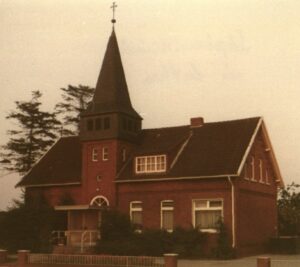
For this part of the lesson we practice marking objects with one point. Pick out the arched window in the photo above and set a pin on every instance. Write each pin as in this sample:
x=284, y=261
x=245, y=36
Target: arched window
x=99, y=201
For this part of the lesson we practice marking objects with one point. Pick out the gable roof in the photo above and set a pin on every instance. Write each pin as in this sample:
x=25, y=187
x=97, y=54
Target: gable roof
x=214, y=149
x=61, y=165
x=111, y=92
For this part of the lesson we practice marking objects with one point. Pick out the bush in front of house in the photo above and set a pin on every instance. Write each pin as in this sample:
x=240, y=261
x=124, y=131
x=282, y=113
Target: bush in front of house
x=223, y=250
x=119, y=237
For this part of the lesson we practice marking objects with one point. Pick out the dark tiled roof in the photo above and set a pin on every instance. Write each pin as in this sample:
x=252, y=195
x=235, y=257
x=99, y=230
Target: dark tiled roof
x=214, y=149
x=60, y=165
x=111, y=93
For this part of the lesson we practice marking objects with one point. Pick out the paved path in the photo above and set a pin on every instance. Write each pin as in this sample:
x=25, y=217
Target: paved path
x=277, y=261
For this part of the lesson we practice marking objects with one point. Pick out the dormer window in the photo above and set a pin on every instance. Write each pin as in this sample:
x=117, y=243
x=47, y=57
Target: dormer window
x=90, y=125
x=106, y=123
x=150, y=164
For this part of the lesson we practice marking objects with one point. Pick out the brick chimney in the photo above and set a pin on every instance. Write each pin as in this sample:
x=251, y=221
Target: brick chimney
x=197, y=122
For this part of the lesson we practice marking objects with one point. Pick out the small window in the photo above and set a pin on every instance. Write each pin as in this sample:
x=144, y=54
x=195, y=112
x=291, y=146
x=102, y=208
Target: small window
x=90, y=125
x=123, y=154
x=207, y=214
x=136, y=211
x=149, y=164
x=95, y=154
x=136, y=127
x=267, y=177
x=106, y=123
x=252, y=169
x=105, y=153
x=246, y=171
x=98, y=124
x=261, y=173
x=124, y=124
x=166, y=213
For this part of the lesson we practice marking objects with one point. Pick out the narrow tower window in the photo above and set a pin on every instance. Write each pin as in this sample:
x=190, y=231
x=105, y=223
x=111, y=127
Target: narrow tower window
x=95, y=154
x=105, y=153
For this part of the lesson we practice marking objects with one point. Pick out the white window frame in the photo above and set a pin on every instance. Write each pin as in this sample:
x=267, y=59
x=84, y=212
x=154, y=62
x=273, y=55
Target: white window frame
x=194, y=209
x=95, y=154
x=162, y=209
x=105, y=153
x=132, y=209
x=155, y=164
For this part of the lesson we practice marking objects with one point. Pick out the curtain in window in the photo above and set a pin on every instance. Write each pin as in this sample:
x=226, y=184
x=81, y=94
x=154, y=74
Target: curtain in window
x=207, y=219
x=167, y=219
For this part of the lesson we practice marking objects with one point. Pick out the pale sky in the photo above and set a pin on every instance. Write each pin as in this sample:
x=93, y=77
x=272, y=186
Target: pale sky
x=221, y=59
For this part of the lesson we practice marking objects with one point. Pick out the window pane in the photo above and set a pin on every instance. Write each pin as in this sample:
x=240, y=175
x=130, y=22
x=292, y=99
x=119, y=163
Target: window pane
x=207, y=219
x=167, y=219
x=136, y=205
x=200, y=203
x=166, y=204
x=215, y=203
x=136, y=217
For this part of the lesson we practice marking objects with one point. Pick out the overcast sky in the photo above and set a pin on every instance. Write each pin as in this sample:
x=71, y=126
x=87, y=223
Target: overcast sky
x=221, y=59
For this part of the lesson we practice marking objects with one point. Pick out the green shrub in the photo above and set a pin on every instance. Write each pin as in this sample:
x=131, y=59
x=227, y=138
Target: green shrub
x=224, y=249
x=119, y=238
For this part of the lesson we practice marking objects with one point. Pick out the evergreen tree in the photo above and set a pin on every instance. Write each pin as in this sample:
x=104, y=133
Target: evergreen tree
x=34, y=134
x=75, y=100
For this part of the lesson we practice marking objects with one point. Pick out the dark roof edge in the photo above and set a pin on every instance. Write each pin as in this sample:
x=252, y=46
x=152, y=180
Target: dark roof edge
x=176, y=178
x=48, y=185
x=247, y=151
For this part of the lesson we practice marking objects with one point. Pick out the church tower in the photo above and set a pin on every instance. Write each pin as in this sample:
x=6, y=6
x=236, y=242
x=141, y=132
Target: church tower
x=109, y=129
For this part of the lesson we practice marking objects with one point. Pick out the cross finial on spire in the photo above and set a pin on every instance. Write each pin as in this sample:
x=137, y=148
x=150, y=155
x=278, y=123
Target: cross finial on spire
x=113, y=7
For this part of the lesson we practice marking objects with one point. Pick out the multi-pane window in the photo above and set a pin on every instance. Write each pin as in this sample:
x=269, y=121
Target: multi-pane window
x=207, y=214
x=149, y=164
x=94, y=154
x=105, y=153
x=166, y=213
x=136, y=214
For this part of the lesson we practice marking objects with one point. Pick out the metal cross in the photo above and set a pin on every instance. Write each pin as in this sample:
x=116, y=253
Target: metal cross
x=114, y=9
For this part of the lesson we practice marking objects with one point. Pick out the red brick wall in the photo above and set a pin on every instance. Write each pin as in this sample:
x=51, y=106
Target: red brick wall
x=92, y=187
x=256, y=204
x=181, y=192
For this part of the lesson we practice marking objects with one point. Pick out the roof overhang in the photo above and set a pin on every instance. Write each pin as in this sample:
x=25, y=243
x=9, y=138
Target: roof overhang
x=48, y=185
x=77, y=207
x=176, y=178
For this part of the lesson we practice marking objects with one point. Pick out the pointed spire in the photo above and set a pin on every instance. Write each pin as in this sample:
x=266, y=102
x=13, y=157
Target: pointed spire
x=111, y=93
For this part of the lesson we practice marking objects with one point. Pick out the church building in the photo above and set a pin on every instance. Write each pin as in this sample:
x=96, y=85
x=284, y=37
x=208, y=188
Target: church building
x=184, y=176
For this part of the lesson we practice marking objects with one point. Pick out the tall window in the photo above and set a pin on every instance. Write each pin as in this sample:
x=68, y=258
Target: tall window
x=149, y=164
x=123, y=154
x=261, y=173
x=94, y=154
x=105, y=153
x=166, y=213
x=252, y=169
x=136, y=215
x=207, y=214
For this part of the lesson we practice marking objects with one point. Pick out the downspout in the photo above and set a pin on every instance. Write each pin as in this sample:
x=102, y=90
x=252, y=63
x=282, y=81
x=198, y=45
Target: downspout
x=232, y=211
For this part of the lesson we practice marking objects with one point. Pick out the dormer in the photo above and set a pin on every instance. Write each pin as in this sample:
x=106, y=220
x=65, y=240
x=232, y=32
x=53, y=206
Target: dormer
x=150, y=164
